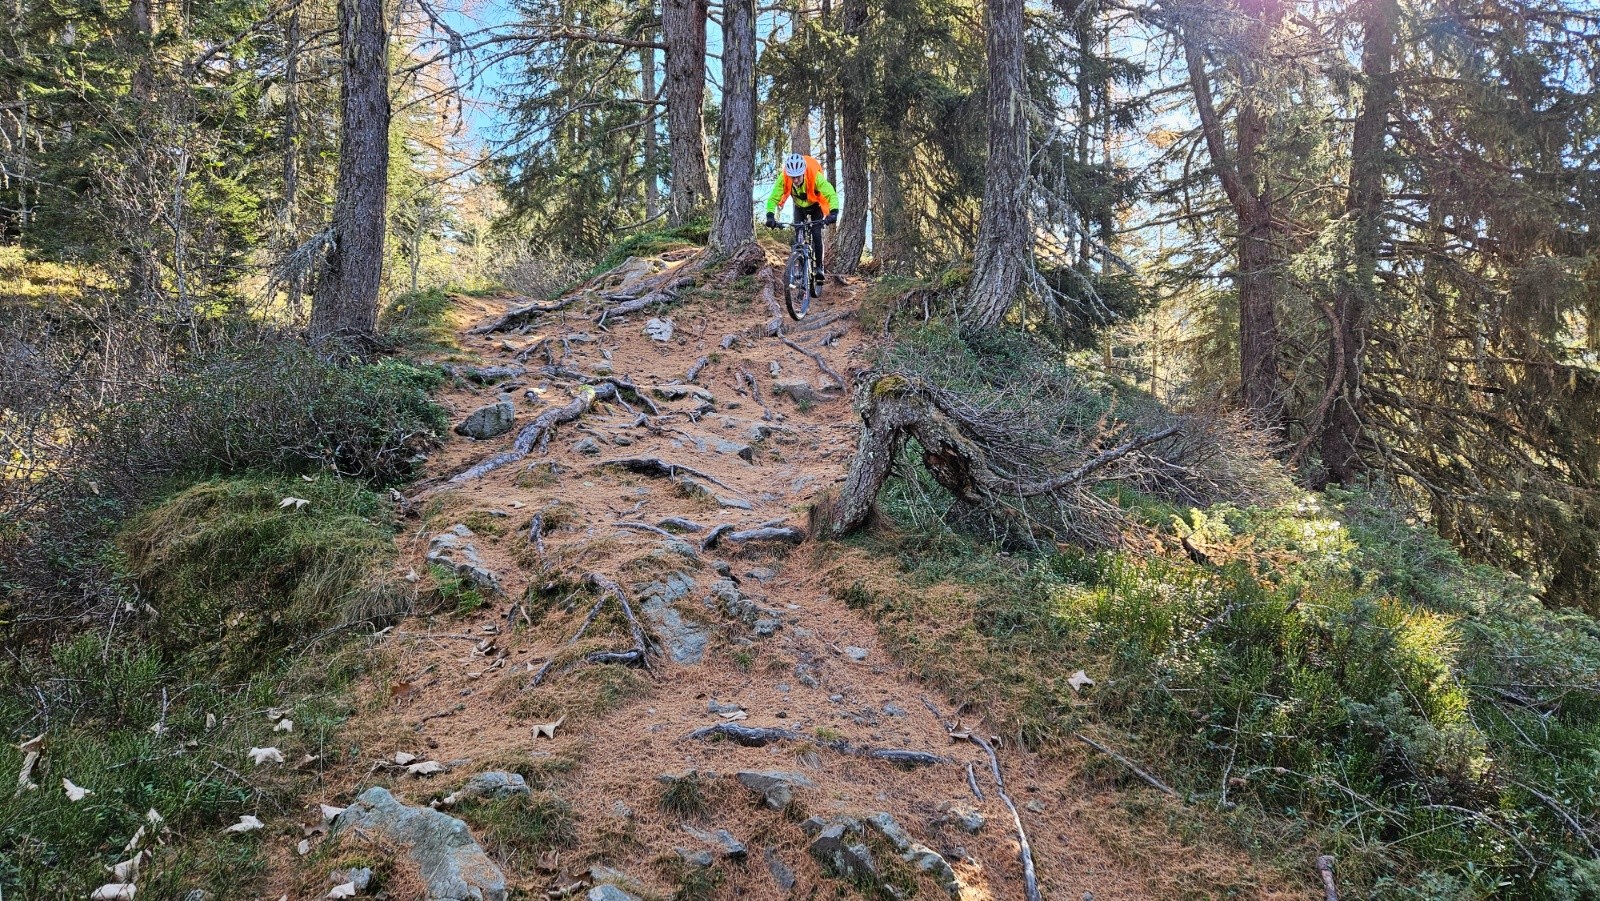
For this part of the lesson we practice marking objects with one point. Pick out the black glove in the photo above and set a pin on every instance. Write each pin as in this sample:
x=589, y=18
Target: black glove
x=832, y=217
x=772, y=221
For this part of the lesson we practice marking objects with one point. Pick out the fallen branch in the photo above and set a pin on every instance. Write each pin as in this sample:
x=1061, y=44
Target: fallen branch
x=688, y=525
x=747, y=384
x=717, y=532
x=536, y=532
x=483, y=374
x=1152, y=781
x=537, y=434
x=535, y=347
x=1325, y=869
x=645, y=527
x=655, y=466
x=694, y=370
x=817, y=359
x=761, y=736
x=1030, y=878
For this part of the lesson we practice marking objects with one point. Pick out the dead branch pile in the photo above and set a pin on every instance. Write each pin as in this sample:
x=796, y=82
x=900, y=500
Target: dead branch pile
x=1022, y=456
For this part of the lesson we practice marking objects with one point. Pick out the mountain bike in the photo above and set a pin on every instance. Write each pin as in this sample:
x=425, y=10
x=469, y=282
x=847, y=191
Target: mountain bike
x=798, y=286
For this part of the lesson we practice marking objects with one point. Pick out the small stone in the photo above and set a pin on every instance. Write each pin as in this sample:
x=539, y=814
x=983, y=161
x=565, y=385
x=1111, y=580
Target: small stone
x=766, y=627
x=587, y=446
x=701, y=859
x=659, y=329
x=781, y=874
x=775, y=787
x=805, y=675
x=621, y=811
x=894, y=710
x=743, y=451
x=758, y=432
x=836, y=699
x=965, y=818
x=847, y=859
x=762, y=573
x=360, y=877
x=717, y=707
x=1034, y=806
x=609, y=893
x=855, y=653
x=731, y=847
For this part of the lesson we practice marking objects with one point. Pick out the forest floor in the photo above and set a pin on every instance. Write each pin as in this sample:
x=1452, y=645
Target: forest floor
x=746, y=632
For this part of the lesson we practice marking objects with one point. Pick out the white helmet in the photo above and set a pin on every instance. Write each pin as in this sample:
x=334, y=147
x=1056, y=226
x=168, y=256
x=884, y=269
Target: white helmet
x=794, y=165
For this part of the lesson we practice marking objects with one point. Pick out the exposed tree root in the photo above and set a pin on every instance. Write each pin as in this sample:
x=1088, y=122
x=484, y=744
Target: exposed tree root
x=817, y=359
x=622, y=385
x=678, y=522
x=483, y=374
x=520, y=315
x=541, y=344
x=644, y=527
x=664, y=295
x=655, y=466
x=1150, y=780
x=638, y=655
x=784, y=533
x=1030, y=878
x=760, y=737
x=536, y=434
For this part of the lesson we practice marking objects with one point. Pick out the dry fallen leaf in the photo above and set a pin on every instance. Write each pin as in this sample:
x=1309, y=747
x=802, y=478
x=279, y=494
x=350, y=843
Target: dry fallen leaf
x=348, y=890
x=425, y=768
x=295, y=502
x=153, y=818
x=247, y=823
x=114, y=891
x=411, y=575
x=284, y=725
x=1080, y=680
x=33, y=744
x=549, y=862
x=276, y=713
x=548, y=730
x=266, y=755
x=75, y=793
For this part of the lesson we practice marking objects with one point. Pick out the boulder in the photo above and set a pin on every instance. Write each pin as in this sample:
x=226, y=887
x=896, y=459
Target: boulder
x=494, y=786
x=452, y=864
x=489, y=421
x=658, y=329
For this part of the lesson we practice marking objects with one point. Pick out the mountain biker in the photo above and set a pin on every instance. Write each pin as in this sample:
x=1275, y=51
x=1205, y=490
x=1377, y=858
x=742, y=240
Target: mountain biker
x=814, y=199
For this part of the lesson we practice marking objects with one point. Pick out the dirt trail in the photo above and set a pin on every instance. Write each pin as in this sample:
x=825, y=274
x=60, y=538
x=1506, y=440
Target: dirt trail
x=788, y=655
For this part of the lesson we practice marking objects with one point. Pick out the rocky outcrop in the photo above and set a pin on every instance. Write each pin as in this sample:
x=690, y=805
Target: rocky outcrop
x=452, y=864
x=775, y=787
x=454, y=550
x=685, y=639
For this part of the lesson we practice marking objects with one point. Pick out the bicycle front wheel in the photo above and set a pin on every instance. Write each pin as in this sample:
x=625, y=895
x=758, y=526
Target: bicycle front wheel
x=797, y=286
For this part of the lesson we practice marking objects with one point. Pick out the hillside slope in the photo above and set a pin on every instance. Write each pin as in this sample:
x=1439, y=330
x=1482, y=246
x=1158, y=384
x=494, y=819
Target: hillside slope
x=632, y=516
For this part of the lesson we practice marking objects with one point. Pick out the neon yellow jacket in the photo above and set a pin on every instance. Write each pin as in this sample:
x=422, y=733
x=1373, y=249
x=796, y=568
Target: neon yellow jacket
x=817, y=190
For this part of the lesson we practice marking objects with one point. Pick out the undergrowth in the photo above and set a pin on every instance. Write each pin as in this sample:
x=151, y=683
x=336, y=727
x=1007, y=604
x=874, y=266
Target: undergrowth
x=1333, y=676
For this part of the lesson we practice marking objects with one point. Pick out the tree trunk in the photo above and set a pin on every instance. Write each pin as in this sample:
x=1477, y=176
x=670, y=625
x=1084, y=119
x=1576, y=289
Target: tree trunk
x=345, y=305
x=888, y=217
x=1004, y=231
x=737, y=151
x=1341, y=427
x=652, y=185
x=850, y=238
x=1238, y=171
x=289, y=138
x=683, y=28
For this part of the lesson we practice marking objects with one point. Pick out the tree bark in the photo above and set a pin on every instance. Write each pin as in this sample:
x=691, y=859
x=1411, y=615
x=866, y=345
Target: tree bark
x=652, y=184
x=345, y=304
x=1004, y=231
x=683, y=29
x=850, y=238
x=734, y=224
x=1341, y=428
x=1239, y=174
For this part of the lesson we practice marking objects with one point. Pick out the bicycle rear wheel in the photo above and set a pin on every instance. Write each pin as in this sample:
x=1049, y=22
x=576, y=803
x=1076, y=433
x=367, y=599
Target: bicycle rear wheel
x=797, y=286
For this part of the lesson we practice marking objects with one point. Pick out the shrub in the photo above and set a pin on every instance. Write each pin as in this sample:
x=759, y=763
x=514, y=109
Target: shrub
x=232, y=574
x=277, y=406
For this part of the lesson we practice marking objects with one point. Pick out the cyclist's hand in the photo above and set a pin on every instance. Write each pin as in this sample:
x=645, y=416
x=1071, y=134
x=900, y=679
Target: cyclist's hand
x=831, y=218
x=772, y=221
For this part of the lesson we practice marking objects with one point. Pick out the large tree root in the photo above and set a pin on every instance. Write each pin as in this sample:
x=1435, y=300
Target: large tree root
x=1030, y=878
x=955, y=449
x=622, y=385
x=760, y=737
x=817, y=359
x=655, y=466
x=766, y=533
x=520, y=315
x=536, y=434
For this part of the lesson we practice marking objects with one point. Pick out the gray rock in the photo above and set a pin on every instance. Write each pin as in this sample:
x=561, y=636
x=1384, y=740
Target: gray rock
x=490, y=421
x=621, y=811
x=801, y=392
x=894, y=710
x=781, y=874
x=701, y=859
x=686, y=640
x=696, y=488
x=776, y=787
x=360, y=877
x=1034, y=807
x=731, y=847
x=587, y=446
x=805, y=675
x=832, y=845
x=726, y=596
x=453, y=550
x=452, y=864
x=494, y=786
x=609, y=893
x=856, y=654
x=715, y=706
x=198, y=894
x=758, y=432
x=659, y=329
x=679, y=392
x=965, y=818
x=924, y=858
x=743, y=451
x=766, y=627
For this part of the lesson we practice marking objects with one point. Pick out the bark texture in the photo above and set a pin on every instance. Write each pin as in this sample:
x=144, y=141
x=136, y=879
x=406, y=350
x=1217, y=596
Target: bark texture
x=1342, y=425
x=1238, y=170
x=345, y=305
x=683, y=29
x=1004, y=233
x=734, y=223
x=850, y=238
